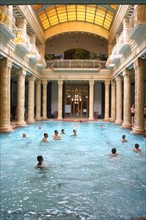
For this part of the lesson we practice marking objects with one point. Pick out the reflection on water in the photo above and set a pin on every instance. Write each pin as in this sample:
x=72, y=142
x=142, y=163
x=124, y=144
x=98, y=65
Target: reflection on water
x=80, y=180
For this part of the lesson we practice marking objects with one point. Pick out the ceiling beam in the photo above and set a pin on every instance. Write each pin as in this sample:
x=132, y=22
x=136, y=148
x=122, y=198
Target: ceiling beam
x=58, y=2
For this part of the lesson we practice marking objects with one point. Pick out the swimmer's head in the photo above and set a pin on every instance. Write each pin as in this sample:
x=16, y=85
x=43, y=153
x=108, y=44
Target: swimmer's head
x=123, y=136
x=24, y=135
x=113, y=150
x=136, y=146
x=40, y=127
x=40, y=158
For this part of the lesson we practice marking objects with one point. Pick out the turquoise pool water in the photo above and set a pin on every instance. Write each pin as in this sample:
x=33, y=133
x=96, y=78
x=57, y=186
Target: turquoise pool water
x=81, y=180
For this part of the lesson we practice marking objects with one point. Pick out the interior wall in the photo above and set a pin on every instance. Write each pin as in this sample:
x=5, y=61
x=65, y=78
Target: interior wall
x=60, y=43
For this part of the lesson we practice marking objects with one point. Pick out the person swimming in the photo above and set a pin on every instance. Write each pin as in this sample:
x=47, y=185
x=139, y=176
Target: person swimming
x=24, y=135
x=123, y=138
x=74, y=132
x=136, y=148
x=40, y=163
x=45, y=137
x=113, y=152
x=56, y=135
x=62, y=131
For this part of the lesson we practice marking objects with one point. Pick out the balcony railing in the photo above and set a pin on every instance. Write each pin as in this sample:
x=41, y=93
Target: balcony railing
x=22, y=39
x=6, y=17
x=76, y=64
x=34, y=53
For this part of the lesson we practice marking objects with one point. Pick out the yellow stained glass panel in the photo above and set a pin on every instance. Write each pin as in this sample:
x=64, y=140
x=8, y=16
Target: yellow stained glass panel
x=97, y=14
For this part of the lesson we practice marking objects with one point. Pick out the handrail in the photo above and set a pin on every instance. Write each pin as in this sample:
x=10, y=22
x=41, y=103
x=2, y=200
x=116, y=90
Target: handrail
x=79, y=64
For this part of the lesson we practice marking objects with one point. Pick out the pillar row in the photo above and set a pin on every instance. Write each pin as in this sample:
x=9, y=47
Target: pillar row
x=5, y=70
x=20, y=98
x=44, y=82
x=113, y=101
x=118, y=100
x=38, y=100
x=127, y=100
x=91, y=99
x=31, y=99
x=106, y=117
x=60, y=83
x=139, y=96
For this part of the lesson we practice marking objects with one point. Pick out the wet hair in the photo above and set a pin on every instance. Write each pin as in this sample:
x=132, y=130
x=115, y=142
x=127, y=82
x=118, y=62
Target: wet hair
x=136, y=146
x=113, y=150
x=74, y=130
x=40, y=159
x=56, y=131
x=123, y=136
x=45, y=134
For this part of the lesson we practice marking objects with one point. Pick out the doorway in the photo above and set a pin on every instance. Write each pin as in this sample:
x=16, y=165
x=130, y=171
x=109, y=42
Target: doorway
x=76, y=100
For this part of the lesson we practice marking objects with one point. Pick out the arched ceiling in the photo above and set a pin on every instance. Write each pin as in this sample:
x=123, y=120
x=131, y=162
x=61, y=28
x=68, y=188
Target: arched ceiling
x=99, y=15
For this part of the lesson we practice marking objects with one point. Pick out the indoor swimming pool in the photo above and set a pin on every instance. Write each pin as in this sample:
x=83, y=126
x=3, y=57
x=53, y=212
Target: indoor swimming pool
x=81, y=180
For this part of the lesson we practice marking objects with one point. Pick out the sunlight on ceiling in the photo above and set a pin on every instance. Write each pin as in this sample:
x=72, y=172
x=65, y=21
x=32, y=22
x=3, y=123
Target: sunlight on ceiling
x=101, y=15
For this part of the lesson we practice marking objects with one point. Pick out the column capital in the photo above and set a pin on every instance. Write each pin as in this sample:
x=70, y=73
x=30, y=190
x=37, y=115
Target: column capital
x=118, y=78
x=22, y=72
x=44, y=82
x=5, y=62
x=38, y=82
x=139, y=64
x=107, y=83
x=113, y=82
x=31, y=78
x=91, y=82
x=60, y=82
x=126, y=73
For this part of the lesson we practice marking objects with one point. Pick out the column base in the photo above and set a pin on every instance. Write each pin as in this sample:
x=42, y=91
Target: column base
x=138, y=131
x=21, y=124
x=31, y=121
x=6, y=129
x=90, y=119
x=118, y=122
x=44, y=118
x=126, y=125
x=106, y=119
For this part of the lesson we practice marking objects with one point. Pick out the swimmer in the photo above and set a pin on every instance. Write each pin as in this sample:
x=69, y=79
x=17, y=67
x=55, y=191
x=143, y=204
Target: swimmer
x=40, y=127
x=56, y=135
x=113, y=152
x=24, y=135
x=45, y=137
x=74, y=133
x=40, y=163
x=62, y=131
x=136, y=148
x=123, y=138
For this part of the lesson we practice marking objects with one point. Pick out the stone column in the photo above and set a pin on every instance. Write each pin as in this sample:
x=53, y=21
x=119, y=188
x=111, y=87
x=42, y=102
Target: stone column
x=60, y=83
x=38, y=100
x=44, y=82
x=106, y=117
x=113, y=101
x=91, y=99
x=139, y=96
x=21, y=98
x=5, y=71
x=127, y=100
x=31, y=99
x=118, y=100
